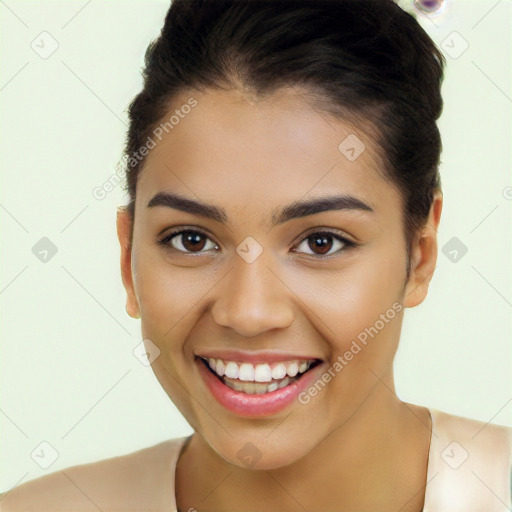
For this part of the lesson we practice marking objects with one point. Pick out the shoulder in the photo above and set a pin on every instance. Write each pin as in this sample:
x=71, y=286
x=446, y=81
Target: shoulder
x=139, y=480
x=470, y=463
x=483, y=440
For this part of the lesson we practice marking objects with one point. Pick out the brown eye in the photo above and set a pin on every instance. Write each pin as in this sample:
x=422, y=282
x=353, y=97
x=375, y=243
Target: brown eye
x=189, y=241
x=192, y=241
x=321, y=244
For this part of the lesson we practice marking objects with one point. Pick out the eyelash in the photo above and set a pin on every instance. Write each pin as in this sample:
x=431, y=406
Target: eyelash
x=166, y=242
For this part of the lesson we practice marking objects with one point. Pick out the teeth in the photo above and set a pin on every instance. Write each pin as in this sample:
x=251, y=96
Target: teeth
x=283, y=383
x=272, y=387
x=220, y=367
x=279, y=371
x=293, y=369
x=262, y=372
x=246, y=372
x=231, y=370
x=255, y=388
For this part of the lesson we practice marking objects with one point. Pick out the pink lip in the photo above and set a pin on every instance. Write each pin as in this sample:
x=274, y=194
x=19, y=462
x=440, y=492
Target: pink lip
x=262, y=356
x=265, y=404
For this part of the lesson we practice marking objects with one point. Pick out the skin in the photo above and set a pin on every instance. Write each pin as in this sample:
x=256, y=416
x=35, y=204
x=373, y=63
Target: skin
x=356, y=440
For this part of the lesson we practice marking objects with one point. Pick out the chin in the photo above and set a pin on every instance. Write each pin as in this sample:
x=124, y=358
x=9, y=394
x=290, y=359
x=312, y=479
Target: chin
x=263, y=454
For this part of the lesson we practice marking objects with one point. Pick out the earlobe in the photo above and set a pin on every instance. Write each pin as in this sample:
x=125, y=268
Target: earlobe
x=424, y=256
x=131, y=312
x=124, y=227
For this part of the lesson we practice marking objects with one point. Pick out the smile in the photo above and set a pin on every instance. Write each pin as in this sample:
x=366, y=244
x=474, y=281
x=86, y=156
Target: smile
x=256, y=389
x=250, y=378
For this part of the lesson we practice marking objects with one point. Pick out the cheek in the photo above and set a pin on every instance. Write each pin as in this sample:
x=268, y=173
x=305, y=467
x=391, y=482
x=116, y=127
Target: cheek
x=161, y=295
x=342, y=303
x=169, y=297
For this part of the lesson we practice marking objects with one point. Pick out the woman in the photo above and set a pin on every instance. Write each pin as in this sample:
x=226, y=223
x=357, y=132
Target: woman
x=282, y=167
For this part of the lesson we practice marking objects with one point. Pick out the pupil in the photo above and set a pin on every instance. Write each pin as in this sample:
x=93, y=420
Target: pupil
x=323, y=242
x=192, y=241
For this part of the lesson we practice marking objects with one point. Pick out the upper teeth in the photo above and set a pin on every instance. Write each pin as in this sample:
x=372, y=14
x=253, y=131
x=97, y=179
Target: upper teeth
x=259, y=372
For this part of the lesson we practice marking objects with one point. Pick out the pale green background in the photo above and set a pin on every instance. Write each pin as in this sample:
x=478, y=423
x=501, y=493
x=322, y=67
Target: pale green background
x=68, y=375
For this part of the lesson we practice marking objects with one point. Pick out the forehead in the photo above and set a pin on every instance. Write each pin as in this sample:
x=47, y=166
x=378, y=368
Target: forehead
x=234, y=150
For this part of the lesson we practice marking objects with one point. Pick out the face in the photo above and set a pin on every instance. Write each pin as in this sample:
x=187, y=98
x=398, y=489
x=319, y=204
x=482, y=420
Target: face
x=260, y=242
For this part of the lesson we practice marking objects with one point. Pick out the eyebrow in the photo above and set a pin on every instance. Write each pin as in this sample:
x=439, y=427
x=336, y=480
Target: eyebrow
x=291, y=211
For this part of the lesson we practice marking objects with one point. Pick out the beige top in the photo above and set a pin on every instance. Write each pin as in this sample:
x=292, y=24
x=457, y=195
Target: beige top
x=469, y=469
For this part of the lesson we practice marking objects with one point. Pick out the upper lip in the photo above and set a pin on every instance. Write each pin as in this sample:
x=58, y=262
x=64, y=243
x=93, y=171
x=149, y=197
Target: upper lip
x=261, y=356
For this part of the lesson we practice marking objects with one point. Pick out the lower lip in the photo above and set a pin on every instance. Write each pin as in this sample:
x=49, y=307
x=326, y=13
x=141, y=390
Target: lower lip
x=256, y=405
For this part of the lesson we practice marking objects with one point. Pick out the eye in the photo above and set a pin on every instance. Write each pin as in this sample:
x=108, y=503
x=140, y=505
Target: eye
x=188, y=241
x=321, y=243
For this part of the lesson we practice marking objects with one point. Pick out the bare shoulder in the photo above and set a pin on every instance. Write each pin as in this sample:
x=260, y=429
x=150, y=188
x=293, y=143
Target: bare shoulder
x=136, y=481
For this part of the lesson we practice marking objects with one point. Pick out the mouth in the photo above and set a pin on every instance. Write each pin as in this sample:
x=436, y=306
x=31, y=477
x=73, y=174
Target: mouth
x=260, y=389
x=257, y=379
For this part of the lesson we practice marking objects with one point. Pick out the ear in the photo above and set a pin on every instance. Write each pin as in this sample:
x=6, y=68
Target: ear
x=124, y=227
x=424, y=256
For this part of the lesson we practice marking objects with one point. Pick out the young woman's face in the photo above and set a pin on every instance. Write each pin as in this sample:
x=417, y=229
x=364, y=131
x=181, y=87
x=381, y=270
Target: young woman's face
x=262, y=282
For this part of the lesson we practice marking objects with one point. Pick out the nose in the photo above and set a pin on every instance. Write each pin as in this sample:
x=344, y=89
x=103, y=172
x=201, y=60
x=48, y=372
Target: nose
x=252, y=299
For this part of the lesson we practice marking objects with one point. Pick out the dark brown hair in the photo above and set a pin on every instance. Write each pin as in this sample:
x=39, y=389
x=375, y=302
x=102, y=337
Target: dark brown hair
x=368, y=62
